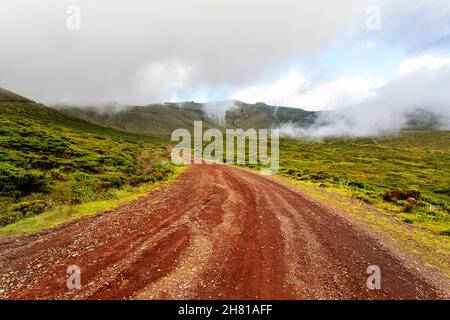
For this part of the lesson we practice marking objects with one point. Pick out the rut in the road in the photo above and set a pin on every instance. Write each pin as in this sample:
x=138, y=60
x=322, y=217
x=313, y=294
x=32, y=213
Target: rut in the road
x=217, y=232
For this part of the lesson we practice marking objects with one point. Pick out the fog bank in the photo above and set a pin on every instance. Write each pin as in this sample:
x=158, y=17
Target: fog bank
x=372, y=119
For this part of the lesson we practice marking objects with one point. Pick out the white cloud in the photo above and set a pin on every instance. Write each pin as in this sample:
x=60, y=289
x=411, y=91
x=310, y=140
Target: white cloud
x=421, y=86
x=297, y=90
x=426, y=63
x=339, y=93
x=280, y=92
x=163, y=80
x=229, y=41
x=420, y=81
x=198, y=44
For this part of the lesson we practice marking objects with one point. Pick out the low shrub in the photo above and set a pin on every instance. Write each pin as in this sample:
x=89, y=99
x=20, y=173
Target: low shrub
x=22, y=210
x=80, y=176
x=408, y=220
x=15, y=181
x=393, y=195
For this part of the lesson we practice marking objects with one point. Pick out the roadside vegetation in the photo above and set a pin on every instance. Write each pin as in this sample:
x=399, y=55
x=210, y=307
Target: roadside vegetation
x=432, y=248
x=50, y=161
x=407, y=173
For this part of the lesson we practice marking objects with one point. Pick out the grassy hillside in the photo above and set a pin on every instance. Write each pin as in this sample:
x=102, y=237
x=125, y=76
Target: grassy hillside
x=49, y=159
x=153, y=120
x=261, y=115
x=162, y=119
x=385, y=171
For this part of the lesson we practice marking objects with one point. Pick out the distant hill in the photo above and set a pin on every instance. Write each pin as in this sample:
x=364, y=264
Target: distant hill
x=421, y=119
x=155, y=119
x=261, y=115
x=162, y=119
x=6, y=95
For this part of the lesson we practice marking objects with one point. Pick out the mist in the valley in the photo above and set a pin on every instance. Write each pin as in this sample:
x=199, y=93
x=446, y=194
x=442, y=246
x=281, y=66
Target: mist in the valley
x=107, y=108
x=218, y=110
x=418, y=98
x=371, y=119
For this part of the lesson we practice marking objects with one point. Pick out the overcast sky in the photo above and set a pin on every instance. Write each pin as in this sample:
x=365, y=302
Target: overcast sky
x=311, y=54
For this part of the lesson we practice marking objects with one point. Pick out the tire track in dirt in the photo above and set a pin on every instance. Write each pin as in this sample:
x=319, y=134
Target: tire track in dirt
x=217, y=232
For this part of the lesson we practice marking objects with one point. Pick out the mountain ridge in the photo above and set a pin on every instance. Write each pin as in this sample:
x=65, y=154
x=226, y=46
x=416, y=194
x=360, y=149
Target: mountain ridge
x=160, y=119
x=163, y=118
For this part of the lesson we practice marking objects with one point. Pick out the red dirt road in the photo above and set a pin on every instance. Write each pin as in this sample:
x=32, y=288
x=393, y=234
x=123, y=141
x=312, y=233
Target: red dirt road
x=218, y=232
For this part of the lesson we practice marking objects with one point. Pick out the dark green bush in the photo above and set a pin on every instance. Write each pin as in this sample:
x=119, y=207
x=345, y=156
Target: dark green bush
x=156, y=172
x=82, y=190
x=113, y=180
x=80, y=176
x=56, y=174
x=358, y=184
x=15, y=181
x=10, y=217
x=408, y=220
x=113, y=161
x=393, y=195
x=46, y=163
x=89, y=164
x=22, y=210
x=29, y=208
x=319, y=176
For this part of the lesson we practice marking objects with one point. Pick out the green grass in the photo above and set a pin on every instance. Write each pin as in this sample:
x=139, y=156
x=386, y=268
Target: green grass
x=48, y=160
x=432, y=248
x=65, y=213
x=383, y=171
